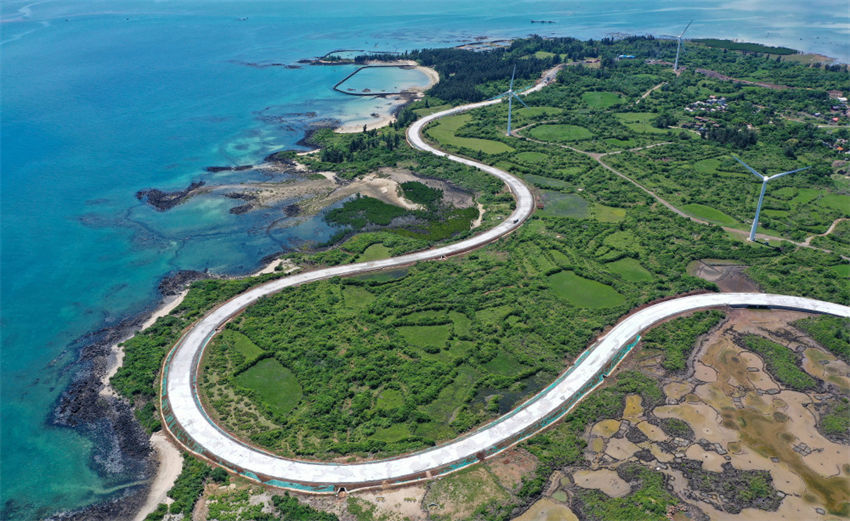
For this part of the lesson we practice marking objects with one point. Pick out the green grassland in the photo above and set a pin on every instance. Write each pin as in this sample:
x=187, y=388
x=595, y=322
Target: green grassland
x=560, y=133
x=442, y=332
x=385, y=363
x=711, y=214
x=640, y=122
x=831, y=332
x=375, y=251
x=582, y=292
x=630, y=269
x=601, y=100
x=559, y=204
x=272, y=384
x=445, y=131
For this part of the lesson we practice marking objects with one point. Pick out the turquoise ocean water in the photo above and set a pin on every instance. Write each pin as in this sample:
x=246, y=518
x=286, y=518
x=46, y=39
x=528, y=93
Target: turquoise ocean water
x=104, y=98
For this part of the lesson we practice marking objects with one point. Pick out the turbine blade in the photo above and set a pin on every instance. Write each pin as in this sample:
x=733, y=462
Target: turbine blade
x=786, y=173
x=497, y=96
x=511, y=88
x=519, y=99
x=749, y=168
x=686, y=28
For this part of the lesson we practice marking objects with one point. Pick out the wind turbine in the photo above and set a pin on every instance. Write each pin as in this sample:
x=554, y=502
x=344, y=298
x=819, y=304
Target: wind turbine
x=679, y=47
x=764, y=180
x=511, y=94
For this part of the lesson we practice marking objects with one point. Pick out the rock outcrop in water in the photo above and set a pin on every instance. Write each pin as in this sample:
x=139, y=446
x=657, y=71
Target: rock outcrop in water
x=121, y=452
x=166, y=200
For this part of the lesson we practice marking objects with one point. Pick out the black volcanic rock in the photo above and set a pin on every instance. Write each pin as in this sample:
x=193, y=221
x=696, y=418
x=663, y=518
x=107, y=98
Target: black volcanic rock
x=175, y=283
x=163, y=201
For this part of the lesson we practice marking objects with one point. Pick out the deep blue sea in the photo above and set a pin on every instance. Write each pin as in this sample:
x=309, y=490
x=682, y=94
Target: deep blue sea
x=104, y=98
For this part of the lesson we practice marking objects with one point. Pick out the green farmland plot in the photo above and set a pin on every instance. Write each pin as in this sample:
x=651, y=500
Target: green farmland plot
x=560, y=133
x=601, y=100
x=445, y=129
x=533, y=158
x=242, y=345
x=273, y=384
x=427, y=337
x=630, y=269
x=559, y=204
x=583, y=292
x=711, y=214
x=357, y=298
x=375, y=251
x=640, y=122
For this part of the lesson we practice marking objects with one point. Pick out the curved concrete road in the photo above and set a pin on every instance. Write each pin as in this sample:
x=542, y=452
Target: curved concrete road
x=186, y=419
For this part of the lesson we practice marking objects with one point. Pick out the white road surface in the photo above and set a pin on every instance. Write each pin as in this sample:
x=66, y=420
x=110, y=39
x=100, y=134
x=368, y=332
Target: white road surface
x=209, y=440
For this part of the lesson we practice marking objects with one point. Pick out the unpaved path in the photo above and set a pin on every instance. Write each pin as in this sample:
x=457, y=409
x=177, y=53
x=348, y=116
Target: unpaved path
x=598, y=156
x=829, y=230
x=186, y=420
x=648, y=92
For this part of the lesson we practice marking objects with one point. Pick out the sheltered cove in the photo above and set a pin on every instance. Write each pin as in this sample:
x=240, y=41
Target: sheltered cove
x=186, y=420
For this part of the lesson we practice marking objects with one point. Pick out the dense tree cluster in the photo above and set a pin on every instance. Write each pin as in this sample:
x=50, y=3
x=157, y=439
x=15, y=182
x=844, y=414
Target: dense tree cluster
x=740, y=137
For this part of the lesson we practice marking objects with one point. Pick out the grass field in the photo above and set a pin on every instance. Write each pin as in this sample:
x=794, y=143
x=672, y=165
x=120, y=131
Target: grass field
x=356, y=297
x=560, y=133
x=710, y=214
x=242, y=344
x=836, y=201
x=273, y=384
x=426, y=336
x=805, y=195
x=621, y=144
x=843, y=270
x=424, y=111
x=493, y=315
x=629, y=269
x=601, y=100
x=640, y=122
x=559, y=204
x=583, y=292
x=461, y=323
x=444, y=131
x=396, y=432
x=390, y=399
x=375, y=251
x=532, y=157
x=607, y=214
x=526, y=115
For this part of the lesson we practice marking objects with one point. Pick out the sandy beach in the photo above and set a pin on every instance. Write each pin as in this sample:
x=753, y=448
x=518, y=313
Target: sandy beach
x=169, y=459
x=168, y=456
x=170, y=464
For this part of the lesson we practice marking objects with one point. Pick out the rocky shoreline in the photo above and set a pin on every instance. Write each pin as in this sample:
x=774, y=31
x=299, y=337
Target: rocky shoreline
x=122, y=452
x=163, y=201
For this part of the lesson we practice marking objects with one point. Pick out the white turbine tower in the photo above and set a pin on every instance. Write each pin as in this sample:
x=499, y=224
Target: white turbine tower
x=764, y=180
x=679, y=47
x=511, y=94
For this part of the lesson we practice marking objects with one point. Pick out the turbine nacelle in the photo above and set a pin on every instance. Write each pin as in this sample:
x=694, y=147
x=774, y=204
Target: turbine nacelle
x=764, y=180
x=511, y=95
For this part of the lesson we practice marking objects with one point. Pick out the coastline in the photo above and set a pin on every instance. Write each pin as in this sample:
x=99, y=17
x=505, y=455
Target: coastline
x=165, y=450
x=168, y=458
x=397, y=102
